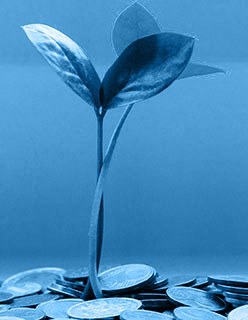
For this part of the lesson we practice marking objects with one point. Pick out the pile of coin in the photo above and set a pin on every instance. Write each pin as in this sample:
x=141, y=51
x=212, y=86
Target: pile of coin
x=132, y=291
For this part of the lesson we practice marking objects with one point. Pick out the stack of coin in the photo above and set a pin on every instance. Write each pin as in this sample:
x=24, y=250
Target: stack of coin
x=132, y=291
x=234, y=288
x=72, y=284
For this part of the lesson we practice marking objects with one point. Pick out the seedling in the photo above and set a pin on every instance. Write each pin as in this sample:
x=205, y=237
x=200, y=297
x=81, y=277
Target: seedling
x=149, y=62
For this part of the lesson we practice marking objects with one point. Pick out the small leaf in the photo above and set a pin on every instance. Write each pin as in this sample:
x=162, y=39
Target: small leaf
x=196, y=69
x=68, y=60
x=133, y=23
x=146, y=67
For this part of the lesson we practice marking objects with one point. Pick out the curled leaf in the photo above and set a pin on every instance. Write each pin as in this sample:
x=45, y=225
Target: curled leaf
x=68, y=60
x=196, y=69
x=145, y=68
x=134, y=23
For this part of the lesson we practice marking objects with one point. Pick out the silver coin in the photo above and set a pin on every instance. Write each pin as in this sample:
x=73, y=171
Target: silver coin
x=147, y=295
x=10, y=318
x=156, y=304
x=80, y=274
x=212, y=289
x=80, y=286
x=33, y=301
x=43, y=276
x=42, y=305
x=176, y=281
x=236, y=302
x=161, y=290
x=196, y=298
x=227, y=288
x=169, y=314
x=6, y=297
x=25, y=313
x=235, y=295
x=240, y=313
x=56, y=288
x=59, y=308
x=4, y=307
x=183, y=280
x=23, y=289
x=103, y=308
x=159, y=281
x=232, y=280
x=126, y=278
x=189, y=313
x=142, y=315
x=201, y=282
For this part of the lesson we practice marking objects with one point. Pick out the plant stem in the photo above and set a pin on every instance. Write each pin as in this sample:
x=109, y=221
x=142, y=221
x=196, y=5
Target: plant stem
x=99, y=234
x=94, y=222
x=99, y=167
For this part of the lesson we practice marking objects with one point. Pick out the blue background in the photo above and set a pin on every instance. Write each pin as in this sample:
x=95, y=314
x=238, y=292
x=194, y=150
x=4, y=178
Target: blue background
x=176, y=195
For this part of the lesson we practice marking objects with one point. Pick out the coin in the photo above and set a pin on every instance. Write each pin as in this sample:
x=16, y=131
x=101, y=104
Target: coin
x=25, y=313
x=23, y=289
x=33, y=301
x=103, y=308
x=201, y=282
x=4, y=307
x=56, y=288
x=183, y=280
x=224, y=287
x=142, y=314
x=235, y=295
x=42, y=305
x=232, y=280
x=212, y=289
x=10, y=318
x=147, y=295
x=240, y=313
x=169, y=314
x=74, y=285
x=59, y=308
x=236, y=302
x=161, y=290
x=189, y=313
x=126, y=278
x=195, y=298
x=176, y=281
x=43, y=276
x=156, y=304
x=6, y=297
x=80, y=274
x=159, y=282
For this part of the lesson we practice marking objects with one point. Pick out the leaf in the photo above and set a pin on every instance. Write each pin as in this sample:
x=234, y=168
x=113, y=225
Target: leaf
x=68, y=60
x=196, y=69
x=133, y=23
x=145, y=68
x=136, y=22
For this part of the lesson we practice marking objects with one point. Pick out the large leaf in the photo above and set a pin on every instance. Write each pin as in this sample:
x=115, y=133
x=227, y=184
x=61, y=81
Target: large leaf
x=136, y=22
x=133, y=23
x=146, y=67
x=196, y=69
x=68, y=60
